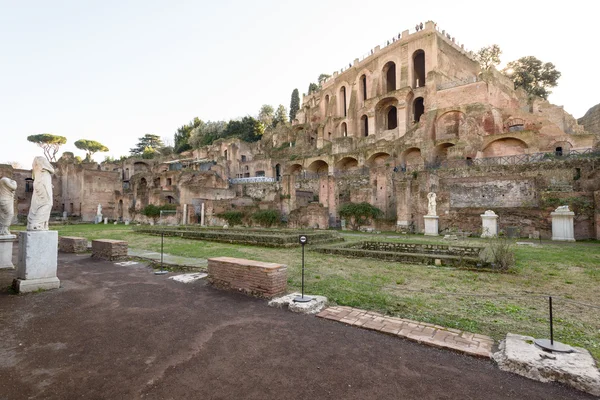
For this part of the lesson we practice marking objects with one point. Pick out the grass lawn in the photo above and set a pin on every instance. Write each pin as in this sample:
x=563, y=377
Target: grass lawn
x=479, y=302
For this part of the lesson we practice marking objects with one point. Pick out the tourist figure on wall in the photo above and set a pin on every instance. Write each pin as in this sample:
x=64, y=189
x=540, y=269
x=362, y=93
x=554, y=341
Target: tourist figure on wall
x=7, y=204
x=41, y=202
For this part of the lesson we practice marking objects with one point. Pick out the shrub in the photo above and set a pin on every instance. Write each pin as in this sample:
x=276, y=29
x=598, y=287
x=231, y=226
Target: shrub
x=500, y=253
x=359, y=214
x=152, y=211
x=233, y=218
x=266, y=218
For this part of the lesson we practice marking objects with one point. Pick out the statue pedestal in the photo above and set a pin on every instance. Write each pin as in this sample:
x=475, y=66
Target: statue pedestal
x=431, y=225
x=6, y=250
x=562, y=226
x=37, y=262
x=489, y=225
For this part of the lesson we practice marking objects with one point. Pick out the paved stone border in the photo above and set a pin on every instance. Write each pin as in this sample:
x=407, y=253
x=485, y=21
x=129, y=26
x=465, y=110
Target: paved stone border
x=433, y=335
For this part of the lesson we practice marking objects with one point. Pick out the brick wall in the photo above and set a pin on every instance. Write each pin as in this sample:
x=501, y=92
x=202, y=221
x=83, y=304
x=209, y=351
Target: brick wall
x=255, y=278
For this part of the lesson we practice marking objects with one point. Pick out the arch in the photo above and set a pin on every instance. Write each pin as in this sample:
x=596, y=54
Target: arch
x=418, y=109
x=392, y=118
x=364, y=126
x=418, y=68
x=378, y=159
x=295, y=169
x=389, y=76
x=382, y=111
x=140, y=166
x=448, y=124
x=343, y=129
x=126, y=174
x=363, y=87
x=170, y=200
x=346, y=163
x=319, y=166
x=326, y=105
x=343, y=104
x=278, y=171
x=440, y=152
x=505, y=147
x=411, y=157
x=561, y=147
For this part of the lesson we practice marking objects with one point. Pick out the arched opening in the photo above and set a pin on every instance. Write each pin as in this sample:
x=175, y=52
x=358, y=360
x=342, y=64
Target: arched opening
x=120, y=209
x=295, y=169
x=346, y=164
x=126, y=174
x=505, y=147
x=364, y=126
x=392, y=118
x=140, y=167
x=448, y=125
x=411, y=157
x=319, y=166
x=344, y=129
x=440, y=153
x=389, y=73
x=378, y=159
x=171, y=200
x=329, y=136
x=363, y=86
x=558, y=151
x=418, y=109
x=326, y=105
x=418, y=69
x=343, y=110
x=278, y=172
x=562, y=148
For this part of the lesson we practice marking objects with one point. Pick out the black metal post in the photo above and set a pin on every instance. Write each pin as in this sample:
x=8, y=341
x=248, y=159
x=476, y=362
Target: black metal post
x=162, y=245
x=303, y=271
x=302, y=299
x=551, y=327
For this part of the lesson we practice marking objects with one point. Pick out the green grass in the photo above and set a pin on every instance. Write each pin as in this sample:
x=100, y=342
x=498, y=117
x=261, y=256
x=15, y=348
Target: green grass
x=480, y=302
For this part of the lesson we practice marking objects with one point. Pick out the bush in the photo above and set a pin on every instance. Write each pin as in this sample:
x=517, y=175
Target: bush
x=500, y=254
x=359, y=214
x=266, y=218
x=233, y=218
x=152, y=211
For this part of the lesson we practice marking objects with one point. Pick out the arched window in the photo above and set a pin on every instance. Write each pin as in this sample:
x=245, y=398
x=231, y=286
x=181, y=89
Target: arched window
x=326, y=104
x=363, y=86
x=389, y=71
x=418, y=109
x=364, y=122
x=419, y=69
x=392, y=118
x=343, y=101
x=344, y=129
x=558, y=151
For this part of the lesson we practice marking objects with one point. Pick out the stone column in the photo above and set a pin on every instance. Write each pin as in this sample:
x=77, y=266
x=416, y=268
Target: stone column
x=562, y=224
x=489, y=224
x=6, y=251
x=184, y=217
x=202, y=214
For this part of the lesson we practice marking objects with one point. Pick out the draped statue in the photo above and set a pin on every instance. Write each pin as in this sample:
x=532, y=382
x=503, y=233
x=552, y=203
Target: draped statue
x=41, y=202
x=7, y=204
x=431, y=209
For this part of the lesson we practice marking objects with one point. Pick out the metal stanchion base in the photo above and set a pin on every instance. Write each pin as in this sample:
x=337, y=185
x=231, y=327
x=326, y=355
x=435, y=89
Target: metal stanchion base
x=555, y=347
x=161, y=272
x=302, y=299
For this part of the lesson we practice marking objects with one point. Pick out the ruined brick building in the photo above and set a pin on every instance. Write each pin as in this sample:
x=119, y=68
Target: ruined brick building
x=416, y=115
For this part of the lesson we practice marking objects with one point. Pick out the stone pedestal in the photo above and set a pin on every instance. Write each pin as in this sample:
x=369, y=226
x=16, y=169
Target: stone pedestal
x=109, y=249
x=562, y=225
x=72, y=244
x=6, y=251
x=431, y=225
x=489, y=224
x=36, y=265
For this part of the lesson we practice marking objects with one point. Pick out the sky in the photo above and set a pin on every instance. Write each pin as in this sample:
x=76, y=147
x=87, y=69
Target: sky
x=113, y=71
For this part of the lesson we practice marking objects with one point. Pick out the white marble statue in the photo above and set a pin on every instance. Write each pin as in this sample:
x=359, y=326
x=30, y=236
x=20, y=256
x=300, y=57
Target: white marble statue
x=563, y=209
x=41, y=202
x=99, y=210
x=7, y=204
x=431, y=204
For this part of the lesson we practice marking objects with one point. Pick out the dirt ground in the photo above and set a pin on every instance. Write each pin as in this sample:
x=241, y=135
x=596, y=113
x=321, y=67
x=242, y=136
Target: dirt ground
x=123, y=333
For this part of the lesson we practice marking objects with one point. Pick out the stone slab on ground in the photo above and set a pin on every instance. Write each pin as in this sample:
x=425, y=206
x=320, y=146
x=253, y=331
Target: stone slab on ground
x=109, y=249
x=169, y=259
x=433, y=335
x=518, y=354
x=312, y=307
x=188, y=278
x=72, y=244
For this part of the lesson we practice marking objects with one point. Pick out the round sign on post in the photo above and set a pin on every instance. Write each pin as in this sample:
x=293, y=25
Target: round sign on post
x=303, y=239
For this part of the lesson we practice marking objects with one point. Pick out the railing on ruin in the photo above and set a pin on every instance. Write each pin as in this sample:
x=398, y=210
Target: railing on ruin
x=453, y=84
x=254, y=179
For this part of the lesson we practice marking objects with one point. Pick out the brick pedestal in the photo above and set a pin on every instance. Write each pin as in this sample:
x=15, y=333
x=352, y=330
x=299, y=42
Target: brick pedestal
x=251, y=277
x=72, y=244
x=107, y=249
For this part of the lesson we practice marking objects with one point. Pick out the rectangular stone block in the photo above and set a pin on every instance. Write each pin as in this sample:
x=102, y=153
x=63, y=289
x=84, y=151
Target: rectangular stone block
x=251, y=277
x=72, y=244
x=108, y=249
x=37, y=261
x=6, y=251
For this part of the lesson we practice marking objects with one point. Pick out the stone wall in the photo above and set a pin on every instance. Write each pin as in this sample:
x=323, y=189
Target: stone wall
x=255, y=278
x=591, y=120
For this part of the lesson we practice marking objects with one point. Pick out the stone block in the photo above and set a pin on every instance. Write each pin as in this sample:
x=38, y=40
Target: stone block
x=37, y=261
x=431, y=225
x=255, y=278
x=72, y=244
x=108, y=249
x=562, y=225
x=6, y=251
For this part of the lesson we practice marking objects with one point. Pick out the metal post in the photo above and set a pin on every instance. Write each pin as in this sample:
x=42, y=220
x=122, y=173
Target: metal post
x=550, y=345
x=302, y=299
x=162, y=242
x=302, y=271
x=551, y=327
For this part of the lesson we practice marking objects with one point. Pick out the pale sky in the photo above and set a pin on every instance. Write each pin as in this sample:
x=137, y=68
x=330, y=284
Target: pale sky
x=113, y=71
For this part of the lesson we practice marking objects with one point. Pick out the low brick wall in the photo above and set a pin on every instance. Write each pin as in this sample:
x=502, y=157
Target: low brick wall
x=108, y=249
x=72, y=244
x=255, y=278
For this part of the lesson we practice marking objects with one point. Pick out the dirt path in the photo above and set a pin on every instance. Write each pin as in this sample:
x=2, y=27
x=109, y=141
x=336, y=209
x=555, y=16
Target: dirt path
x=124, y=333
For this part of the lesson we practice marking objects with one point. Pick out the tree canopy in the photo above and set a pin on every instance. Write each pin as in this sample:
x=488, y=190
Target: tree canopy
x=280, y=116
x=90, y=147
x=359, y=214
x=183, y=134
x=533, y=75
x=146, y=143
x=266, y=114
x=49, y=143
x=294, y=105
x=206, y=133
x=488, y=56
x=248, y=129
x=323, y=78
x=312, y=87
